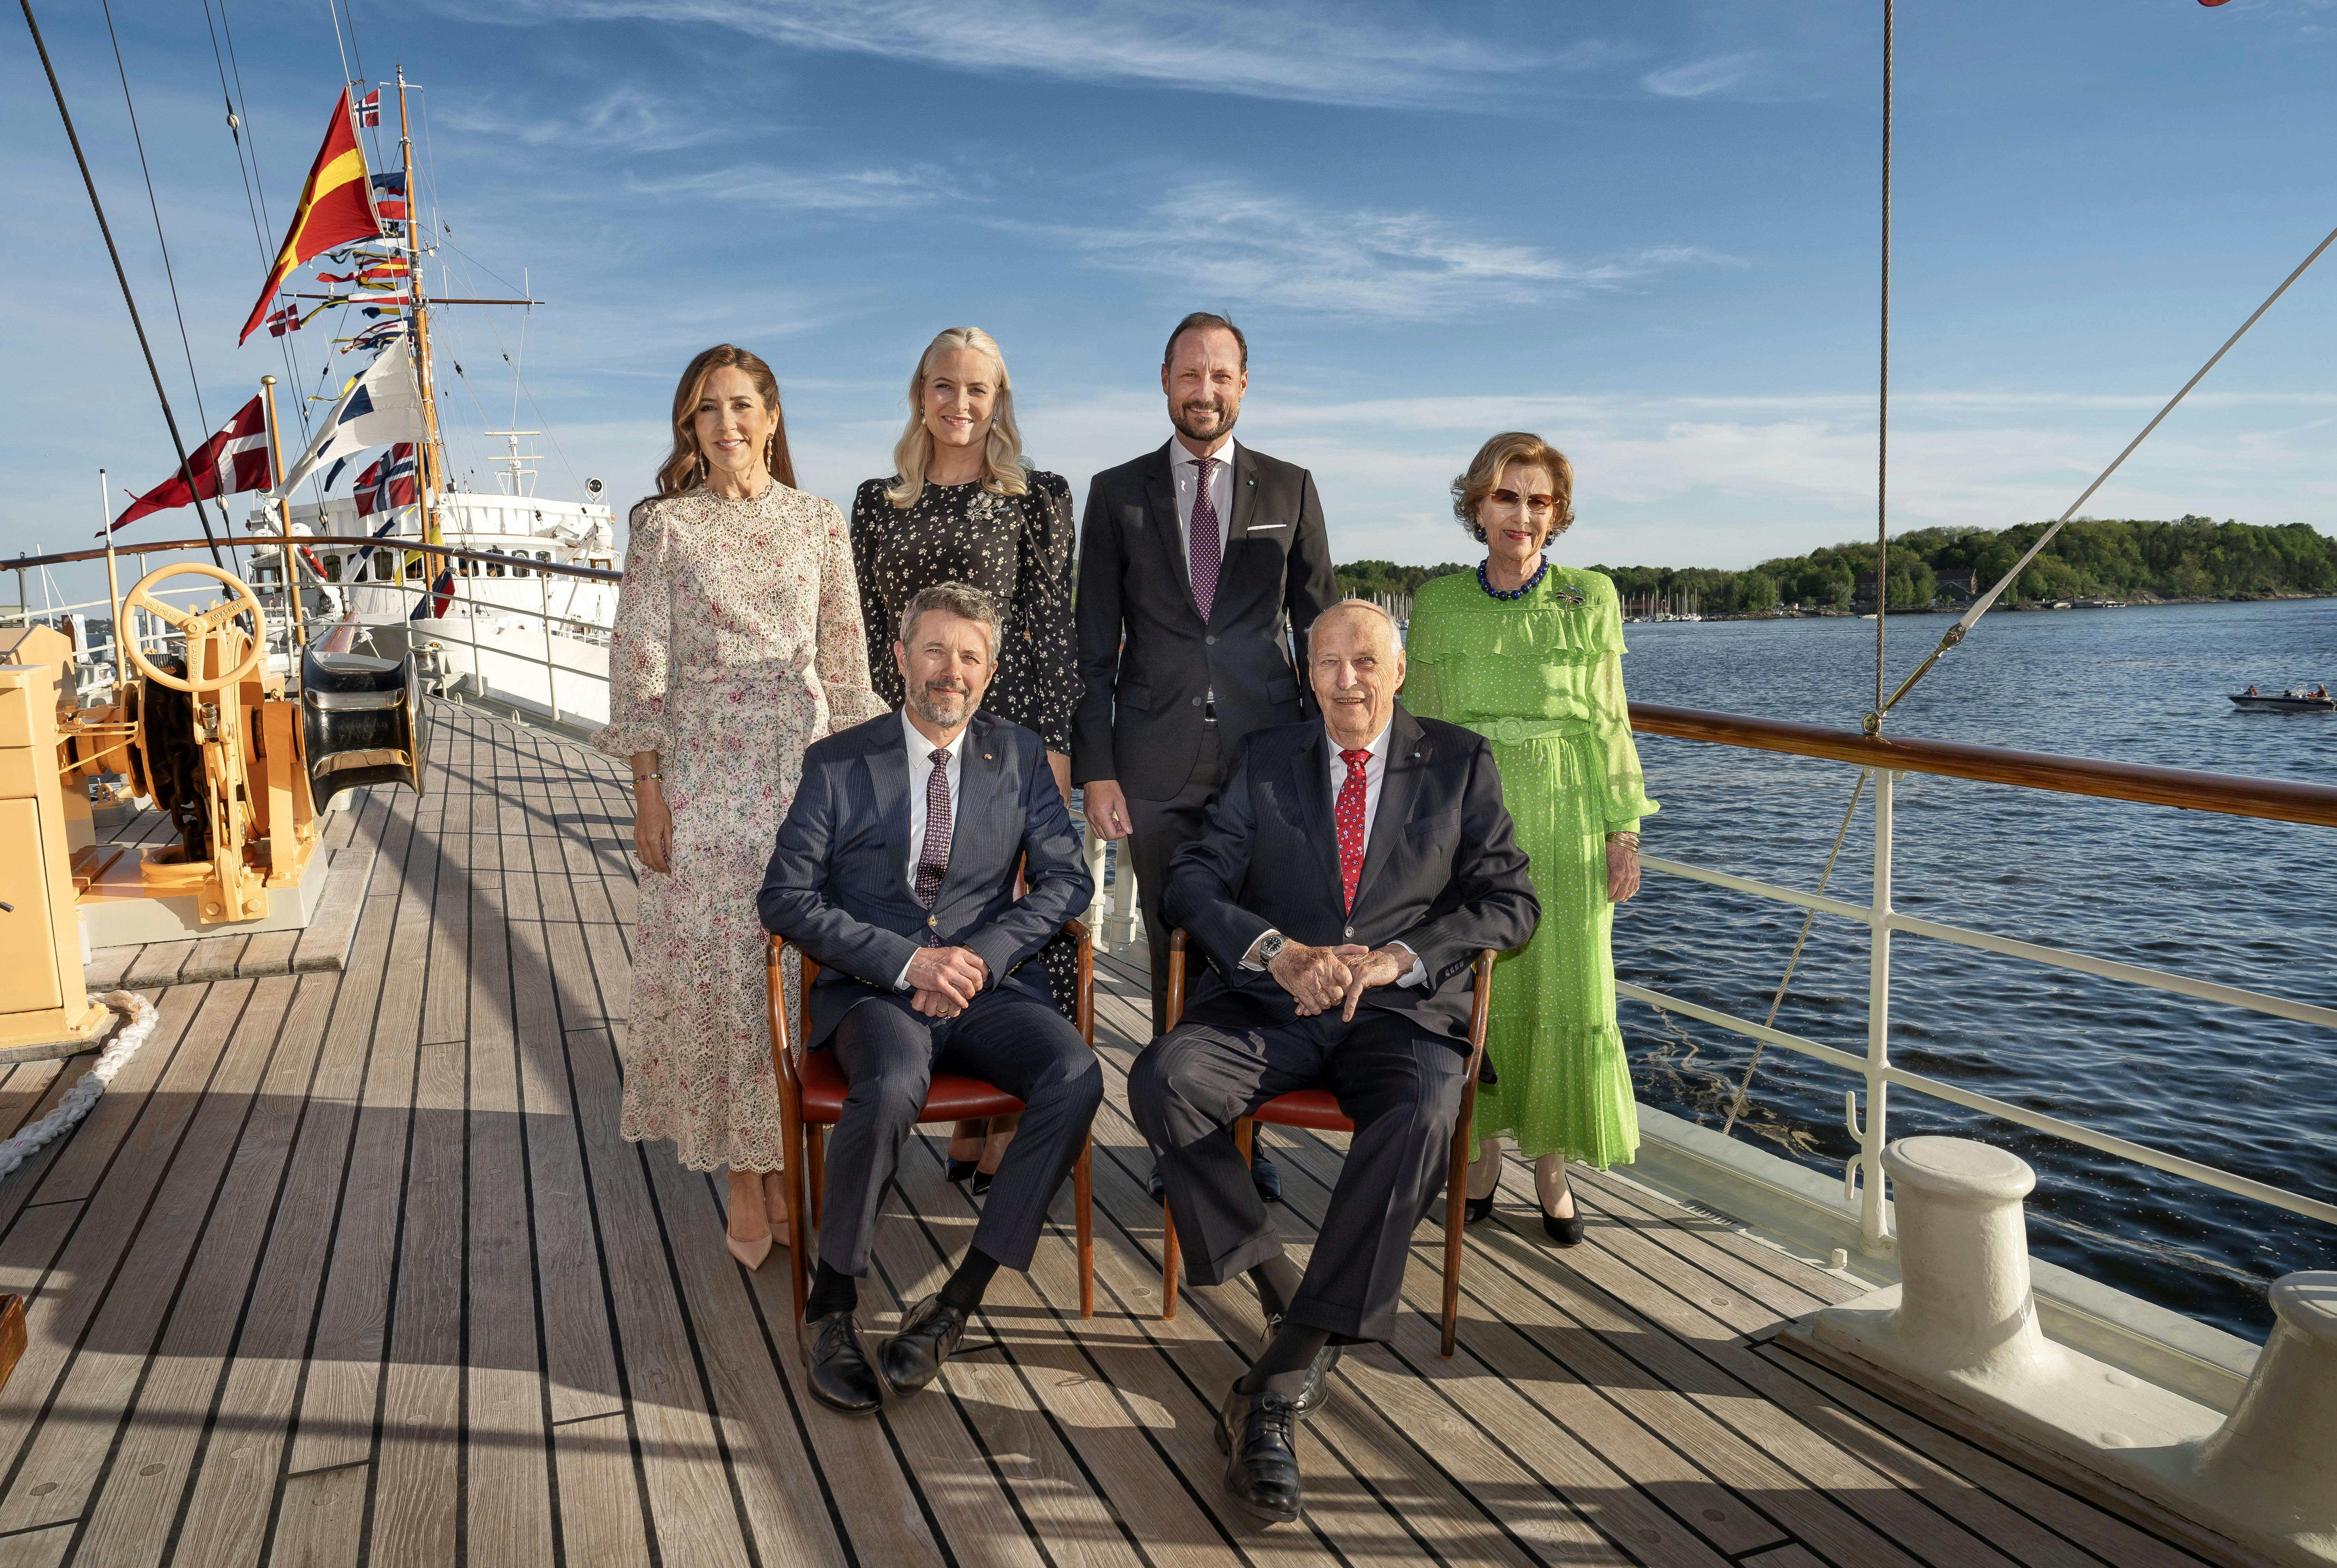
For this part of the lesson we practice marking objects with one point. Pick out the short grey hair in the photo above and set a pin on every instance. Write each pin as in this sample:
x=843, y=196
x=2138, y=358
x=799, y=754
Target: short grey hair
x=961, y=599
x=1395, y=635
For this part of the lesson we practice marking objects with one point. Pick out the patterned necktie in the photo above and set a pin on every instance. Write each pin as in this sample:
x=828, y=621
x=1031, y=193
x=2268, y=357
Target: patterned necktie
x=933, y=860
x=1348, y=813
x=1201, y=537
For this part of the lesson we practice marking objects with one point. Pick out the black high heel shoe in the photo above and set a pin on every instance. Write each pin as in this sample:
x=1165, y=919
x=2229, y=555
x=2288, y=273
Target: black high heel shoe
x=1475, y=1209
x=1566, y=1233
x=960, y=1170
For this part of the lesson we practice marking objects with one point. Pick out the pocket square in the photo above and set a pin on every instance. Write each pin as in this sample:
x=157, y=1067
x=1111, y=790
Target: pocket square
x=1265, y=527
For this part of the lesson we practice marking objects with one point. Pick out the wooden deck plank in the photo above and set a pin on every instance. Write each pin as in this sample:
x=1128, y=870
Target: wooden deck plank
x=338, y=1408
x=322, y=1522
x=36, y=1548
x=680, y=1464
x=1783, y=1283
x=163, y=1443
x=25, y=1089
x=70, y=1452
x=599, y=1508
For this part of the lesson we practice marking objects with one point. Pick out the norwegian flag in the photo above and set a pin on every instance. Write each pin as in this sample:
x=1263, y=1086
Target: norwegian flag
x=287, y=320
x=232, y=461
x=389, y=483
x=368, y=109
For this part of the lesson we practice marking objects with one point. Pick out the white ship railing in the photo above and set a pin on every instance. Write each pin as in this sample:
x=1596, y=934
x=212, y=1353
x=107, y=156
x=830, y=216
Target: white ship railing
x=1883, y=760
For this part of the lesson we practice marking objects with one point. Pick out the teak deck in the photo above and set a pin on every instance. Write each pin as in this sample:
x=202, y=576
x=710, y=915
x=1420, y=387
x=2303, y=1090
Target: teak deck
x=353, y=1269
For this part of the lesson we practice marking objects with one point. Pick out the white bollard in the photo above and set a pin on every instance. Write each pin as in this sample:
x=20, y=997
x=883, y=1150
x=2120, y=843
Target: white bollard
x=2269, y=1464
x=1964, y=1306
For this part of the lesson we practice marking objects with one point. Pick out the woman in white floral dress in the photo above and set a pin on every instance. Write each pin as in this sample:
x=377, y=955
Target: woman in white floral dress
x=737, y=643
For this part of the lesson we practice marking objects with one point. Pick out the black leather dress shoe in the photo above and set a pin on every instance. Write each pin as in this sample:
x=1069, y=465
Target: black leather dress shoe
x=1266, y=1178
x=913, y=1357
x=1258, y=1439
x=1158, y=1183
x=836, y=1367
x=1317, y=1391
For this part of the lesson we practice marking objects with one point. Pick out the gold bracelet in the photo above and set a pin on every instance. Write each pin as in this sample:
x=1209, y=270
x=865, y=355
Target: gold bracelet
x=1624, y=838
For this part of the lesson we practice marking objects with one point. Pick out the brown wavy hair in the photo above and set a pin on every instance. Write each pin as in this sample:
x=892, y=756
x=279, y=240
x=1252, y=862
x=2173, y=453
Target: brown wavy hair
x=685, y=465
x=1484, y=476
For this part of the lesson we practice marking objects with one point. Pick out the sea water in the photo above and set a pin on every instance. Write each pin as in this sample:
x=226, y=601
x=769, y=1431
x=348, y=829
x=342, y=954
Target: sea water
x=2233, y=900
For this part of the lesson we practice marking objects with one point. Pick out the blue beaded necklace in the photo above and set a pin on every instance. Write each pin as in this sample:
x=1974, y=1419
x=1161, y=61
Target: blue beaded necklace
x=1519, y=592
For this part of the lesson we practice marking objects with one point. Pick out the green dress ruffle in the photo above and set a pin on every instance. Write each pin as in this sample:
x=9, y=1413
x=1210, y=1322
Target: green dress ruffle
x=1541, y=677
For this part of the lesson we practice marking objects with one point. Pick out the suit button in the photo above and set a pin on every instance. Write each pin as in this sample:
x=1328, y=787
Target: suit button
x=1209, y=641
x=935, y=921
x=1197, y=702
x=1351, y=933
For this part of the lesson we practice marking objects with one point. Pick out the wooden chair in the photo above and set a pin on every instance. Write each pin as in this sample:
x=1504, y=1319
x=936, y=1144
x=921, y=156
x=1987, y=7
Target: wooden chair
x=811, y=1098
x=1319, y=1109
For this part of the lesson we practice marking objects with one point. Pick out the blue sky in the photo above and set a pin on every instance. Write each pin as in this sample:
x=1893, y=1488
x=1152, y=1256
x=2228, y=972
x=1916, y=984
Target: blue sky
x=1646, y=231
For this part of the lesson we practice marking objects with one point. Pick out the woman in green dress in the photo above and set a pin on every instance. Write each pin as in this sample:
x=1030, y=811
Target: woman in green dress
x=1529, y=654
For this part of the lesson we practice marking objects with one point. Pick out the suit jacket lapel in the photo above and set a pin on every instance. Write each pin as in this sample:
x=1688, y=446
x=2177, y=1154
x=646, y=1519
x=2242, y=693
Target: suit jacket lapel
x=1406, y=756
x=1311, y=786
x=1160, y=494
x=1245, y=495
x=888, y=776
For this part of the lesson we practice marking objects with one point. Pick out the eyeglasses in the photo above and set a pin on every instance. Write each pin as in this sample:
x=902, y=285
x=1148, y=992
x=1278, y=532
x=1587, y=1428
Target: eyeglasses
x=1540, y=505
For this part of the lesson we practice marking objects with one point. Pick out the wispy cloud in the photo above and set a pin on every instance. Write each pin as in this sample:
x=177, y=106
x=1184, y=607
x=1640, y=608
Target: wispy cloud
x=852, y=191
x=1750, y=72
x=623, y=120
x=1306, y=50
x=1228, y=241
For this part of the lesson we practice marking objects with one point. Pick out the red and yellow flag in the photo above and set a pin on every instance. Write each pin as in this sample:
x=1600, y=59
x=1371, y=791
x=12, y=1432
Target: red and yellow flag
x=334, y=208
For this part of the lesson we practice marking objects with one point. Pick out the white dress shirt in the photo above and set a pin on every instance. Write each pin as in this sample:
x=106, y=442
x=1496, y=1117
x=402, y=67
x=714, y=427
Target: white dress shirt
x=921, y=773
x=1185, y=469
x=1374, y=777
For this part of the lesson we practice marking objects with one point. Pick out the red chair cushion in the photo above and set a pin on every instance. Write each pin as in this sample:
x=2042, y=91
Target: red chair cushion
x=1316, y=1108
x=951, y=1097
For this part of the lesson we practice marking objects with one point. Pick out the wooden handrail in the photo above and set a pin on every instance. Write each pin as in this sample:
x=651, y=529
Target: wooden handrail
x=276, y=541
x=2232, y=794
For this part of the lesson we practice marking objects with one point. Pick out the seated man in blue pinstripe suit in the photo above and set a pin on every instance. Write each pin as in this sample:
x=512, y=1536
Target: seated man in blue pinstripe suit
x=895, y=871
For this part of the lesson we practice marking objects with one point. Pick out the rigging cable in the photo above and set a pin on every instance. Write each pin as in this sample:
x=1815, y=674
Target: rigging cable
x=1987, y=601
x=1882, y=403
x=169, y=276
x=56, y=90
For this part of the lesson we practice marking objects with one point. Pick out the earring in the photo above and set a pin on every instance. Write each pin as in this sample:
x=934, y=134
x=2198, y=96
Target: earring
x=1478, y=528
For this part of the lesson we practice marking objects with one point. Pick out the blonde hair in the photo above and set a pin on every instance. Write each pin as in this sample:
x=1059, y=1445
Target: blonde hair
x=684, y=466
x=1484, y=476
x=1001, y=457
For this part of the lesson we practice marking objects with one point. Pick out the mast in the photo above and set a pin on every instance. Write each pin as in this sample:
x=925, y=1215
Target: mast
x=433, y=464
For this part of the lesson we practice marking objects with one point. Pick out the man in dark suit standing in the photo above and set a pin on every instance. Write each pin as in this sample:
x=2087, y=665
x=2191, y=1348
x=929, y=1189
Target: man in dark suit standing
x=895, y=871
x=1352, y=868
x=1196, y=562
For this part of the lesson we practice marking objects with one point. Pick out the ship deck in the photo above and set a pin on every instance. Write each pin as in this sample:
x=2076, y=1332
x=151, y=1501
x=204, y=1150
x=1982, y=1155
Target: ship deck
x=353, y=1268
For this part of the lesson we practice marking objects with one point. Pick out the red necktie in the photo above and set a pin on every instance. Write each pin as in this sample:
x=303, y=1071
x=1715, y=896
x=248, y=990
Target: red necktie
x=933, y=857
x=1201, y=537
x=1348, y=813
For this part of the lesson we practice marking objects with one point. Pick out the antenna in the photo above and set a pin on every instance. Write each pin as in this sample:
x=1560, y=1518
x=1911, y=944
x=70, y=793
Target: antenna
x=517, y=479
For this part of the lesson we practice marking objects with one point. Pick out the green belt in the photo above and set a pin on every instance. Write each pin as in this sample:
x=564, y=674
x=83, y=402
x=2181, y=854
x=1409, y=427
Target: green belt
x=1513, y=731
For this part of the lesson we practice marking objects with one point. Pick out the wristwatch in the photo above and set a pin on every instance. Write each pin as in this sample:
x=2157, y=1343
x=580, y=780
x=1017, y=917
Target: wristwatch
x=1270, y=945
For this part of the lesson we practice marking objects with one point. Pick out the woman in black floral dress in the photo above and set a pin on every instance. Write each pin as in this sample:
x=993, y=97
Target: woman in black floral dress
x=961, y=507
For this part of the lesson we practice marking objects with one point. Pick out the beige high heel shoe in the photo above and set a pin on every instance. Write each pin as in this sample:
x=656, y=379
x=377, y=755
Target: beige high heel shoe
x=749, y=1250
x=775, y=1207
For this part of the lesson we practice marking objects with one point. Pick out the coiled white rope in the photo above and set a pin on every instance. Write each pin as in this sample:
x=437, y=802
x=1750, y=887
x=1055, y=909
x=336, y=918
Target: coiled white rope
x=139, y=1020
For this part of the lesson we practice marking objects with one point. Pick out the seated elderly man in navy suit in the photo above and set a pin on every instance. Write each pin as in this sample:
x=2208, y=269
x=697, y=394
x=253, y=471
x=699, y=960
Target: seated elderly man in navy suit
x=1352, y=868
x=895, y=871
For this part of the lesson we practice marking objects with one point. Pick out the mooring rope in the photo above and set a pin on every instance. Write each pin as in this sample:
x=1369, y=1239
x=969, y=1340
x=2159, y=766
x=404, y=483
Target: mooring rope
x=139, y=1020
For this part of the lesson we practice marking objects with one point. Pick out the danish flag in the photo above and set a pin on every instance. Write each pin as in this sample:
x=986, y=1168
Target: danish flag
x=286, y=320
x=369, y=108
x=389, y=483
x=233, y=461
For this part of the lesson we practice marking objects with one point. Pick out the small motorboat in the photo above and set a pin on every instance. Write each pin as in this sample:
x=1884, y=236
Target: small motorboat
x=2295, y=699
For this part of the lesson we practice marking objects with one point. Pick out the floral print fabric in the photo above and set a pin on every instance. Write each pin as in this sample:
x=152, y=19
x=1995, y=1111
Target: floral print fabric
x=737, y=643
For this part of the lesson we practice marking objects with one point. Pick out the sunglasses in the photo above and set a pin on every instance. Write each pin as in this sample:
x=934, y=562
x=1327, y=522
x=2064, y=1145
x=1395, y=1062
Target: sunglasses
x=1543, y=504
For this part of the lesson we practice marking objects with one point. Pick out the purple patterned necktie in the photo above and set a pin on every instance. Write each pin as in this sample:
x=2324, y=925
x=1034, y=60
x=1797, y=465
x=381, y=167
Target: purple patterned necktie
x=1202, y=536
x=933, y=860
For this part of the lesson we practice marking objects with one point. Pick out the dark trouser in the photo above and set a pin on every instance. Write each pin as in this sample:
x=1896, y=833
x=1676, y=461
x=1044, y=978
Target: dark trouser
x=889, y=1053
x=1156, y=831
x=1400, y=1085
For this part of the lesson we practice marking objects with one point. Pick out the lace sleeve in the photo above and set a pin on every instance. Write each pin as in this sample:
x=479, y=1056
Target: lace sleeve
x=842, y=655
x=641, y=643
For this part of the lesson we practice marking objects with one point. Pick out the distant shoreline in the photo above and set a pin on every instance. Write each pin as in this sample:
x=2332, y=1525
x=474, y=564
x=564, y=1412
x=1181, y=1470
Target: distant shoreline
x=2149, y=603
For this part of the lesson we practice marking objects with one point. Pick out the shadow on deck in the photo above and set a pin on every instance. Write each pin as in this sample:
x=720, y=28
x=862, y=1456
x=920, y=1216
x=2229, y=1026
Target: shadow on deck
x=353, y=1268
